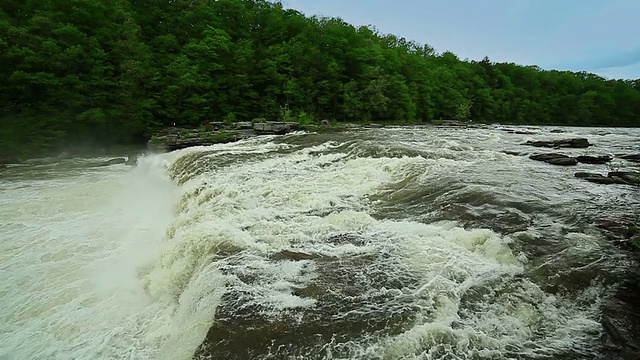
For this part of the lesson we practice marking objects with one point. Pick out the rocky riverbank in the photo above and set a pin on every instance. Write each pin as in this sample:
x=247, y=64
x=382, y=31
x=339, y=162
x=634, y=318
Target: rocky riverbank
x=174, y=138
x=621, y=314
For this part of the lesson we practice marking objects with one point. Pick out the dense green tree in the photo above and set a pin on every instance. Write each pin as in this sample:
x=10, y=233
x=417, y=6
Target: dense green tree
x=116, y=70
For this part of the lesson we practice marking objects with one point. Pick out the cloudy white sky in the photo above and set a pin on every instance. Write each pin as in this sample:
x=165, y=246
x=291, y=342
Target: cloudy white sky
x=598, y=36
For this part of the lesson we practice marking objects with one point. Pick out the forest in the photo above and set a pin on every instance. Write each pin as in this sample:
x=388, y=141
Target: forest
x=114, y=71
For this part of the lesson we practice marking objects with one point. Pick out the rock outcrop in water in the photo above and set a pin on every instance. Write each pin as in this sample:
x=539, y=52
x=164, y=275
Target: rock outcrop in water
x=631, y=157
x=171, y=139
x=621, y=314
x=613, y=177
x=562, y=159
x=554, y=159
x=564, y=143
x=114, y=161
x=174, y=138
x=600, y=159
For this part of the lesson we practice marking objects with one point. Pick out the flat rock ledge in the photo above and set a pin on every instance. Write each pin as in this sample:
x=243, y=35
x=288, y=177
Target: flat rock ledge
x=576, y=143
x=566, y=160
x=175, y=138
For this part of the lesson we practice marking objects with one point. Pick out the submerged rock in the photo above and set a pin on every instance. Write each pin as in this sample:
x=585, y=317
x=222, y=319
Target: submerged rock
x=582, y=175
x=603, y=180
x=629, y=177
x=564, y=143
x=114, y=161
x=548, y=156
x=42, y=161
x=294, y=256
x=568, y=161
x=631, y=157
x=621, y=320
x=348, y=298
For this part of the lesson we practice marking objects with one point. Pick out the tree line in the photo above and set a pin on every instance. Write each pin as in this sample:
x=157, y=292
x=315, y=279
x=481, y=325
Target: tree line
x=114, y=71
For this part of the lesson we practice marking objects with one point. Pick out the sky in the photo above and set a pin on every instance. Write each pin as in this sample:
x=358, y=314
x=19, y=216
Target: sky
x=597, y=36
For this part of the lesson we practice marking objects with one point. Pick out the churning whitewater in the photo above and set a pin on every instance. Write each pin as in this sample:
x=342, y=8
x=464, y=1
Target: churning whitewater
x=406, y=243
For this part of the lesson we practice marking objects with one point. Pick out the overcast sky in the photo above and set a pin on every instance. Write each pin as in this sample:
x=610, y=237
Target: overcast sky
x=598, y=36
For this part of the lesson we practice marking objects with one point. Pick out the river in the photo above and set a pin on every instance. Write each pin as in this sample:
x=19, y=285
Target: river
x=393, y=243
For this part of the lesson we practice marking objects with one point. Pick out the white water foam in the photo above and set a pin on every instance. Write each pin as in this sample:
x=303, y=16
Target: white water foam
x=92, y=274
x=299, y=199
x=71, y=249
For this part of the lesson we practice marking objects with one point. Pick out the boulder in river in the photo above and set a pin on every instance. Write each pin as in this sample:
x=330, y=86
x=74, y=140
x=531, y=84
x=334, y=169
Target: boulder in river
x=564, y=143
x=600, y=159
x=562, y=161
x=630, y=177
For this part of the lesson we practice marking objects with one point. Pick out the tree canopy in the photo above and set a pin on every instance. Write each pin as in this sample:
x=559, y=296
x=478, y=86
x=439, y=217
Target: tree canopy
x=114, y=71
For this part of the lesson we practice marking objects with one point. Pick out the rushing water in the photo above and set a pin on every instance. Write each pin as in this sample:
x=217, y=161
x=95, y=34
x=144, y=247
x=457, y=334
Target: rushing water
x=401, y=243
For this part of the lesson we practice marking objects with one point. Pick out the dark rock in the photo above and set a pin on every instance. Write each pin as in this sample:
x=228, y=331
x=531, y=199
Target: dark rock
x=601, y=159
x=568, y=161
x=623, y=173
x=621, y=321
x=582, y=175
x=631, y=157
x=625, y=177
x=548, y=156
x=604, y=180
x=554, y=159
x=524, y=132
x=615, y=227
x=564, y=143
x=114, y=161
x=556, y=131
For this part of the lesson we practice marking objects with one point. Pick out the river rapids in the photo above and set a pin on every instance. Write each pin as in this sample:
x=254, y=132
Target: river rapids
x=393, y=243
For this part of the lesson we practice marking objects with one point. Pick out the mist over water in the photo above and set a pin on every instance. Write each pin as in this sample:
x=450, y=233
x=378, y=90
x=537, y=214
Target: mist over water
x=401, y=243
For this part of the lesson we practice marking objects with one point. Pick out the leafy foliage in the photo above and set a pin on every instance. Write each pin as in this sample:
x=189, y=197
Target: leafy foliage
x=114, y=71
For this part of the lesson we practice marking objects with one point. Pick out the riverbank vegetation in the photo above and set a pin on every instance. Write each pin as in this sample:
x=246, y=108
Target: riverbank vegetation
x=114, y=71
